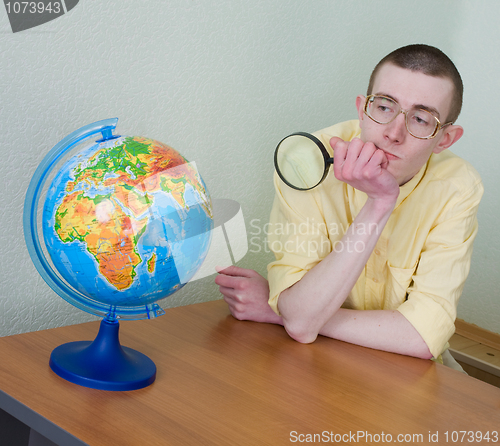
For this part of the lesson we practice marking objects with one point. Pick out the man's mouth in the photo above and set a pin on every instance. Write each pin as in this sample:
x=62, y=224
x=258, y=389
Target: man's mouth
x=388, y=155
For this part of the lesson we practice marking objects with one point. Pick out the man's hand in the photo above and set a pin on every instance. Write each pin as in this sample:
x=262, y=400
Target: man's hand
x=364, y=167
x=247, y=293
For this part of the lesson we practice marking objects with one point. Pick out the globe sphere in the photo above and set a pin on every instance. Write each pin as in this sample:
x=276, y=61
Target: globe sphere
x=126, y=221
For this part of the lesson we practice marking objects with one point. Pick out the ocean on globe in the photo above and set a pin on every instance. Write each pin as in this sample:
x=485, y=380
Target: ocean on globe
x=127, y=221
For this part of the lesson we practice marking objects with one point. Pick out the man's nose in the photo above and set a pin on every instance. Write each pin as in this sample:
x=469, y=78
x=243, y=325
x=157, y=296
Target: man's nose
x=396, y=130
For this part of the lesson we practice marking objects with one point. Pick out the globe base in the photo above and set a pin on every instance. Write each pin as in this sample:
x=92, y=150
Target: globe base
x=103, y=363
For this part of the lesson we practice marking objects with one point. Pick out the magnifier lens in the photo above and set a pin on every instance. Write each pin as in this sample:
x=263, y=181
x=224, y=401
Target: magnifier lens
x=300, y=162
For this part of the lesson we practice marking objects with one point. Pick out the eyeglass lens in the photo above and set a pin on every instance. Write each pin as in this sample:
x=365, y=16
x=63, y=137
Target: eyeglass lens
x=419, y=122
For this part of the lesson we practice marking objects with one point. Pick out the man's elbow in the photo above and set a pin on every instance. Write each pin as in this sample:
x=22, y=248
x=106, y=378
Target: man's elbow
x=421, y=351
x=300, y=332
x=421, y=355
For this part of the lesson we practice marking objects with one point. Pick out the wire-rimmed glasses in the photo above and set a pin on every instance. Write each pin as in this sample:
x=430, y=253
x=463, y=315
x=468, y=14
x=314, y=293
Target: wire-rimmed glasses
x=420, y=123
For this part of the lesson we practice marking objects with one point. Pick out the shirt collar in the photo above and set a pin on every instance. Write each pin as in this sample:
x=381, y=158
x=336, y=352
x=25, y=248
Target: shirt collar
x=406, y=189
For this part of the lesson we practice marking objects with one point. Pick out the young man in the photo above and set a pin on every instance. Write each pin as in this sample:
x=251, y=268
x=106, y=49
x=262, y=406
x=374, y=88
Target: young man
x=390, y=233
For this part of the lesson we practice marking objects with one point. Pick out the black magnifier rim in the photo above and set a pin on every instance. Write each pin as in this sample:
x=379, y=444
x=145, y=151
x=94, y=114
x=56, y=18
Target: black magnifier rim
x=321, y=147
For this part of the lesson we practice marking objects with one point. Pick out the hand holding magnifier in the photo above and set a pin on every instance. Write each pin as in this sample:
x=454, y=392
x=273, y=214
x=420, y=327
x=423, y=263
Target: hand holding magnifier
x=301, y=161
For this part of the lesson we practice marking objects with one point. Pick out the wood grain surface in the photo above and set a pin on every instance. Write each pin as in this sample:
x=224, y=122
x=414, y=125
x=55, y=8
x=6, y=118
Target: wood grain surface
x=225, y=382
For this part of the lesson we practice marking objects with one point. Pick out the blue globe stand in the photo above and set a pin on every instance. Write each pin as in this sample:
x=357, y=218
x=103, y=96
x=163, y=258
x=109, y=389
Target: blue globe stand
x=103, y=363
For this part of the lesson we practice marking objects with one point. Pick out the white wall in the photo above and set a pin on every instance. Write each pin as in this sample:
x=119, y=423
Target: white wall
x=222, y=82
x=477, y=54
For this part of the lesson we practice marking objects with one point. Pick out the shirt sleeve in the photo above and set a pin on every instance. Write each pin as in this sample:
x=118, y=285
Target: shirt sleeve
x=444, y=264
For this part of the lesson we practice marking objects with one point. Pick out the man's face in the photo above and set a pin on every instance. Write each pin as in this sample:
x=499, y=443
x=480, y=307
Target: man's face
x=406, y=154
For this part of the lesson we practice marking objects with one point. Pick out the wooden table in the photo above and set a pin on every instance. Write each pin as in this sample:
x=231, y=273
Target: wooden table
x=226, y=382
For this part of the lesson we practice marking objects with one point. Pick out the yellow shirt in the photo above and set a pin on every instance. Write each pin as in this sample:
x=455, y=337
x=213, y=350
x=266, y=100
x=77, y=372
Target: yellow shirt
x=422, y=258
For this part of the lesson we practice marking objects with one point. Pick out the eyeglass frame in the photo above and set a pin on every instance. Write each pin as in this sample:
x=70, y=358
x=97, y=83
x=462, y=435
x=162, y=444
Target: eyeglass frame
x=439, y=126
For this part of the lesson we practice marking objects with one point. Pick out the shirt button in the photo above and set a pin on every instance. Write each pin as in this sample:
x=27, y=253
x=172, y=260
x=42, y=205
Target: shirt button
x=375, y=280
x=377, y=252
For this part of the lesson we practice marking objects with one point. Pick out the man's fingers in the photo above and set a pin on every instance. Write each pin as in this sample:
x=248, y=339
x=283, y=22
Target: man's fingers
x=345, y=165
x=353, y=151
x=379, y=159
x=228, y=293
x=238, y=283
x=340, y=152
x=229, y=281
x=333, y=142
x=235, y=271
x=358, y=160
x=368, y=160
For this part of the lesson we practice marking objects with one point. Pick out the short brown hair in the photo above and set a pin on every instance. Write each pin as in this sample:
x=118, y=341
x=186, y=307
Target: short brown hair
x=430, y=61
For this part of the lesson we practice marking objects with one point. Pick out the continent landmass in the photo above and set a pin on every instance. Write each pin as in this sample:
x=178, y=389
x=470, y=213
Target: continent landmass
x=136, y=169
x=107, y=232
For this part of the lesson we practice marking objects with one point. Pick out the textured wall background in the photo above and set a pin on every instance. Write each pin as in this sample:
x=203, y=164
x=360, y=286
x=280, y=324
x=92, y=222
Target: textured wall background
x=223, y=82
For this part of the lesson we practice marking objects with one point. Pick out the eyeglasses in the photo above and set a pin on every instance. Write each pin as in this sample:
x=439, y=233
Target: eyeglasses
x=420, y=123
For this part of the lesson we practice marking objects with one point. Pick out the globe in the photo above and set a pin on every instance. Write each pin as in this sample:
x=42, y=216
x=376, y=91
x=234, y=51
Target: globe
x=113, y=224
x=127, y=221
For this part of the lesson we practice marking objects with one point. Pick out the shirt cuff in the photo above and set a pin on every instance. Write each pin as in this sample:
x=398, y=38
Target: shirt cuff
x=430, y=320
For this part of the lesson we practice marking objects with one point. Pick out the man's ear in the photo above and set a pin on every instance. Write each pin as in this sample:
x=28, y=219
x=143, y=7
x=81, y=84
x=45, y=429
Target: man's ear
x=451, y=135
x=360, y=105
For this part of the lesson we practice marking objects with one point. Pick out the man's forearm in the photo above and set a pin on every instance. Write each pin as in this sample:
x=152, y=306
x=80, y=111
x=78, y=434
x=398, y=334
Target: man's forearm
x=311, y=302
x=379, y=329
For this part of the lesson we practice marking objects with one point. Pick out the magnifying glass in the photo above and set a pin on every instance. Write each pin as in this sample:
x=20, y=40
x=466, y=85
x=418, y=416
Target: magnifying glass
x=301, y=161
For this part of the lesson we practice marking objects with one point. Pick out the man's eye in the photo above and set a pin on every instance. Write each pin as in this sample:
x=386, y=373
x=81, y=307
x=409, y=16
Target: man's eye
x=384, y=109
x=422, y=119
